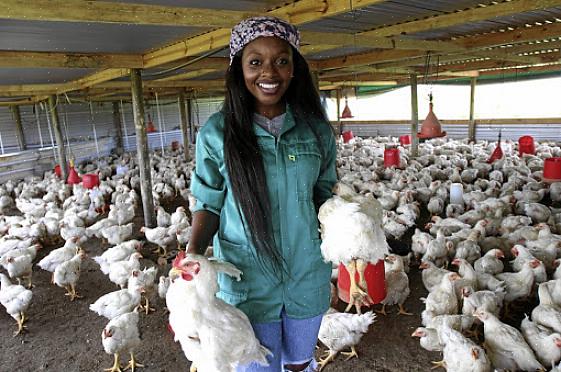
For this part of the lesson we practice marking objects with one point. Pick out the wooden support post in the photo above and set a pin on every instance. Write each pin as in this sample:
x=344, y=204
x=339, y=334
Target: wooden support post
x=59, y=137
x=184, y=125
x=142, y=149
x=192, y=134
x=471, y=129
x=414, y=117
x=118, y=129
x=19, y=128
x=315, y=79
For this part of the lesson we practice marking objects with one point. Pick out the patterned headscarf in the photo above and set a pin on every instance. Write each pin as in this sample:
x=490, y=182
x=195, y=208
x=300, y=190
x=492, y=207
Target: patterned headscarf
x=250, y=29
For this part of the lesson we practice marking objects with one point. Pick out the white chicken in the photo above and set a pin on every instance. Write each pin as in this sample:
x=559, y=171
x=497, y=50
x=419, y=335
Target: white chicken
x=160, y=237
x=58, y=256
x=518, y=285
x=120, y=252
x=397, y=285
x=547, y=313
x=487, y=300
x=120, y=271
x=432, y=275
x=204, y=324
x=119, y=336
x=119, y=302
x=351, y=229
x=66, y=274
x=16, y=299
x=460, y=354
x=442, y=300
x=490, y=263
x=145, y=278
x=19, y=267
x=342, y=330
x=545, y=343
x=506, y=346
x=117, y=234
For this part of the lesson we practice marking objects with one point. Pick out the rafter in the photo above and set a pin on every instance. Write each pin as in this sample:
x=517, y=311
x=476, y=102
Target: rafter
x=113, y=12
x=25, y=59
x=522, y=35
x=189, y=75
x=299, y=12
x=460, y=17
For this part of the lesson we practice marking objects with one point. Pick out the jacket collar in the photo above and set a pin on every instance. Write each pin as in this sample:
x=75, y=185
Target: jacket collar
x=287, y=125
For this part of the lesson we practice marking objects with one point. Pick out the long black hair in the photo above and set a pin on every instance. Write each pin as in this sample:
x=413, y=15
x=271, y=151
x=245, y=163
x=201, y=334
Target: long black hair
x=243, y=156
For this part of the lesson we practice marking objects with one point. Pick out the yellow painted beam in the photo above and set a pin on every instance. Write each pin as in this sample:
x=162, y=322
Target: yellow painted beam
x=362, y=40
x=299, y=12
x=116, y=12
x=25, y=59
x=521, y=35
x=465, y=16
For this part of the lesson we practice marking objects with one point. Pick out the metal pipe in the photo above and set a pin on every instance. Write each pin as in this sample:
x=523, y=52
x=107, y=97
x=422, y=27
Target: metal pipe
x=59, y=137
x=414, y=117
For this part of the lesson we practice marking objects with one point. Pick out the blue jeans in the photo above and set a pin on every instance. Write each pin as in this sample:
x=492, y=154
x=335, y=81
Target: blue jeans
x=292, y=341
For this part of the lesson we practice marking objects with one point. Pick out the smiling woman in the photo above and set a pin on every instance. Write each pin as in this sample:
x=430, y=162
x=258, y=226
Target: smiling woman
x=265, y=164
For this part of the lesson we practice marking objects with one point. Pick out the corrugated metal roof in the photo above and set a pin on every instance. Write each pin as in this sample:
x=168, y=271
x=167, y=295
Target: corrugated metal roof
x=388, y=13
x=42, y=75
x=87, y=37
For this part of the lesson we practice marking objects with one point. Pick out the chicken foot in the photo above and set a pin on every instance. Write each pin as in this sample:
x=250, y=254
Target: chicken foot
x=146, y=307
x=160, y=251
x=116, y=365
x=357, y=296
x=193, y=367
x=133, y=364
x=330, y=357
x=439, y=364
x=350, y=354
x=71, y=291
x=402, y=310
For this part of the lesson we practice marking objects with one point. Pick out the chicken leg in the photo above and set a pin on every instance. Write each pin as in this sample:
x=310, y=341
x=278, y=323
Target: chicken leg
x=357, y=296
x=382, y=310
x=402, y=310
x=439, y=364
x=20, y=319
x=146, y=307
x=116, y=365
x=133, y=363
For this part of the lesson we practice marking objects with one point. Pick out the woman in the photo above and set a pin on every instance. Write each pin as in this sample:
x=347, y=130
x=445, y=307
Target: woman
x=264, y=165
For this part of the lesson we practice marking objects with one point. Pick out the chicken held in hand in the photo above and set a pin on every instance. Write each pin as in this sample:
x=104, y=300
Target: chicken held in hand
x=204, y=324
x=352, y=234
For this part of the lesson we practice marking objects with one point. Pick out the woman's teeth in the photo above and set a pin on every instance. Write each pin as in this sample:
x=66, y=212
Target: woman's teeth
x=268, y=86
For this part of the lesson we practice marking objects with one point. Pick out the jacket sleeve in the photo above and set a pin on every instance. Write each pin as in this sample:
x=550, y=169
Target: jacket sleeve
x=328, y=175
x=207, y=183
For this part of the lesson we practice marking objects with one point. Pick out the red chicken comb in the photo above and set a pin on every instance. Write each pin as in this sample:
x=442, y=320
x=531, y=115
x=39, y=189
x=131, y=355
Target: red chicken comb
x=177, y=260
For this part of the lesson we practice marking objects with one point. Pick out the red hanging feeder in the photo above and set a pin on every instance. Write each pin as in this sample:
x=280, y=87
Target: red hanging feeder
x=405, y=140
x=346, y=114
x=526, y=145
x=89, y=181
x=347, y=136
x=431, y=125
x=58, y=171
x=391, y=157
x=498, y=152
x=150, y=125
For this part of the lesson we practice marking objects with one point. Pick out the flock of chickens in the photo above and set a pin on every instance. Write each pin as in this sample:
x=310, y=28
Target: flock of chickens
x=502, y=239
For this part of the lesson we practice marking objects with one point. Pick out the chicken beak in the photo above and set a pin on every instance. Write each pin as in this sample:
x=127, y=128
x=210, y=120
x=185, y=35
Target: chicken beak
x=500, y=254
x=174, y=274
x=557, y=342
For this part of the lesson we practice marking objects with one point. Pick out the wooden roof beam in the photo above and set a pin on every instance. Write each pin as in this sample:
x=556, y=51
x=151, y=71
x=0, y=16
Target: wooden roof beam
x=189, y=75
x=117, y=12
x=299, y=12
x=25, y=59
x=460, y=17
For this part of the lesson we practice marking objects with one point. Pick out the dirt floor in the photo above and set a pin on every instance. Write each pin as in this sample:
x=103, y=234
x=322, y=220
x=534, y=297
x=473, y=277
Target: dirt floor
x=66, y=336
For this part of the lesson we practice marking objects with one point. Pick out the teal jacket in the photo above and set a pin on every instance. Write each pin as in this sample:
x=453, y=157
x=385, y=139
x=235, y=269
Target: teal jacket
x=299, y=179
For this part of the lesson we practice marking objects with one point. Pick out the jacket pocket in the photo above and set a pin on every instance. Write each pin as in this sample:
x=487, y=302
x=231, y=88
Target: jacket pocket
x=233, y=291
x=308, y=164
